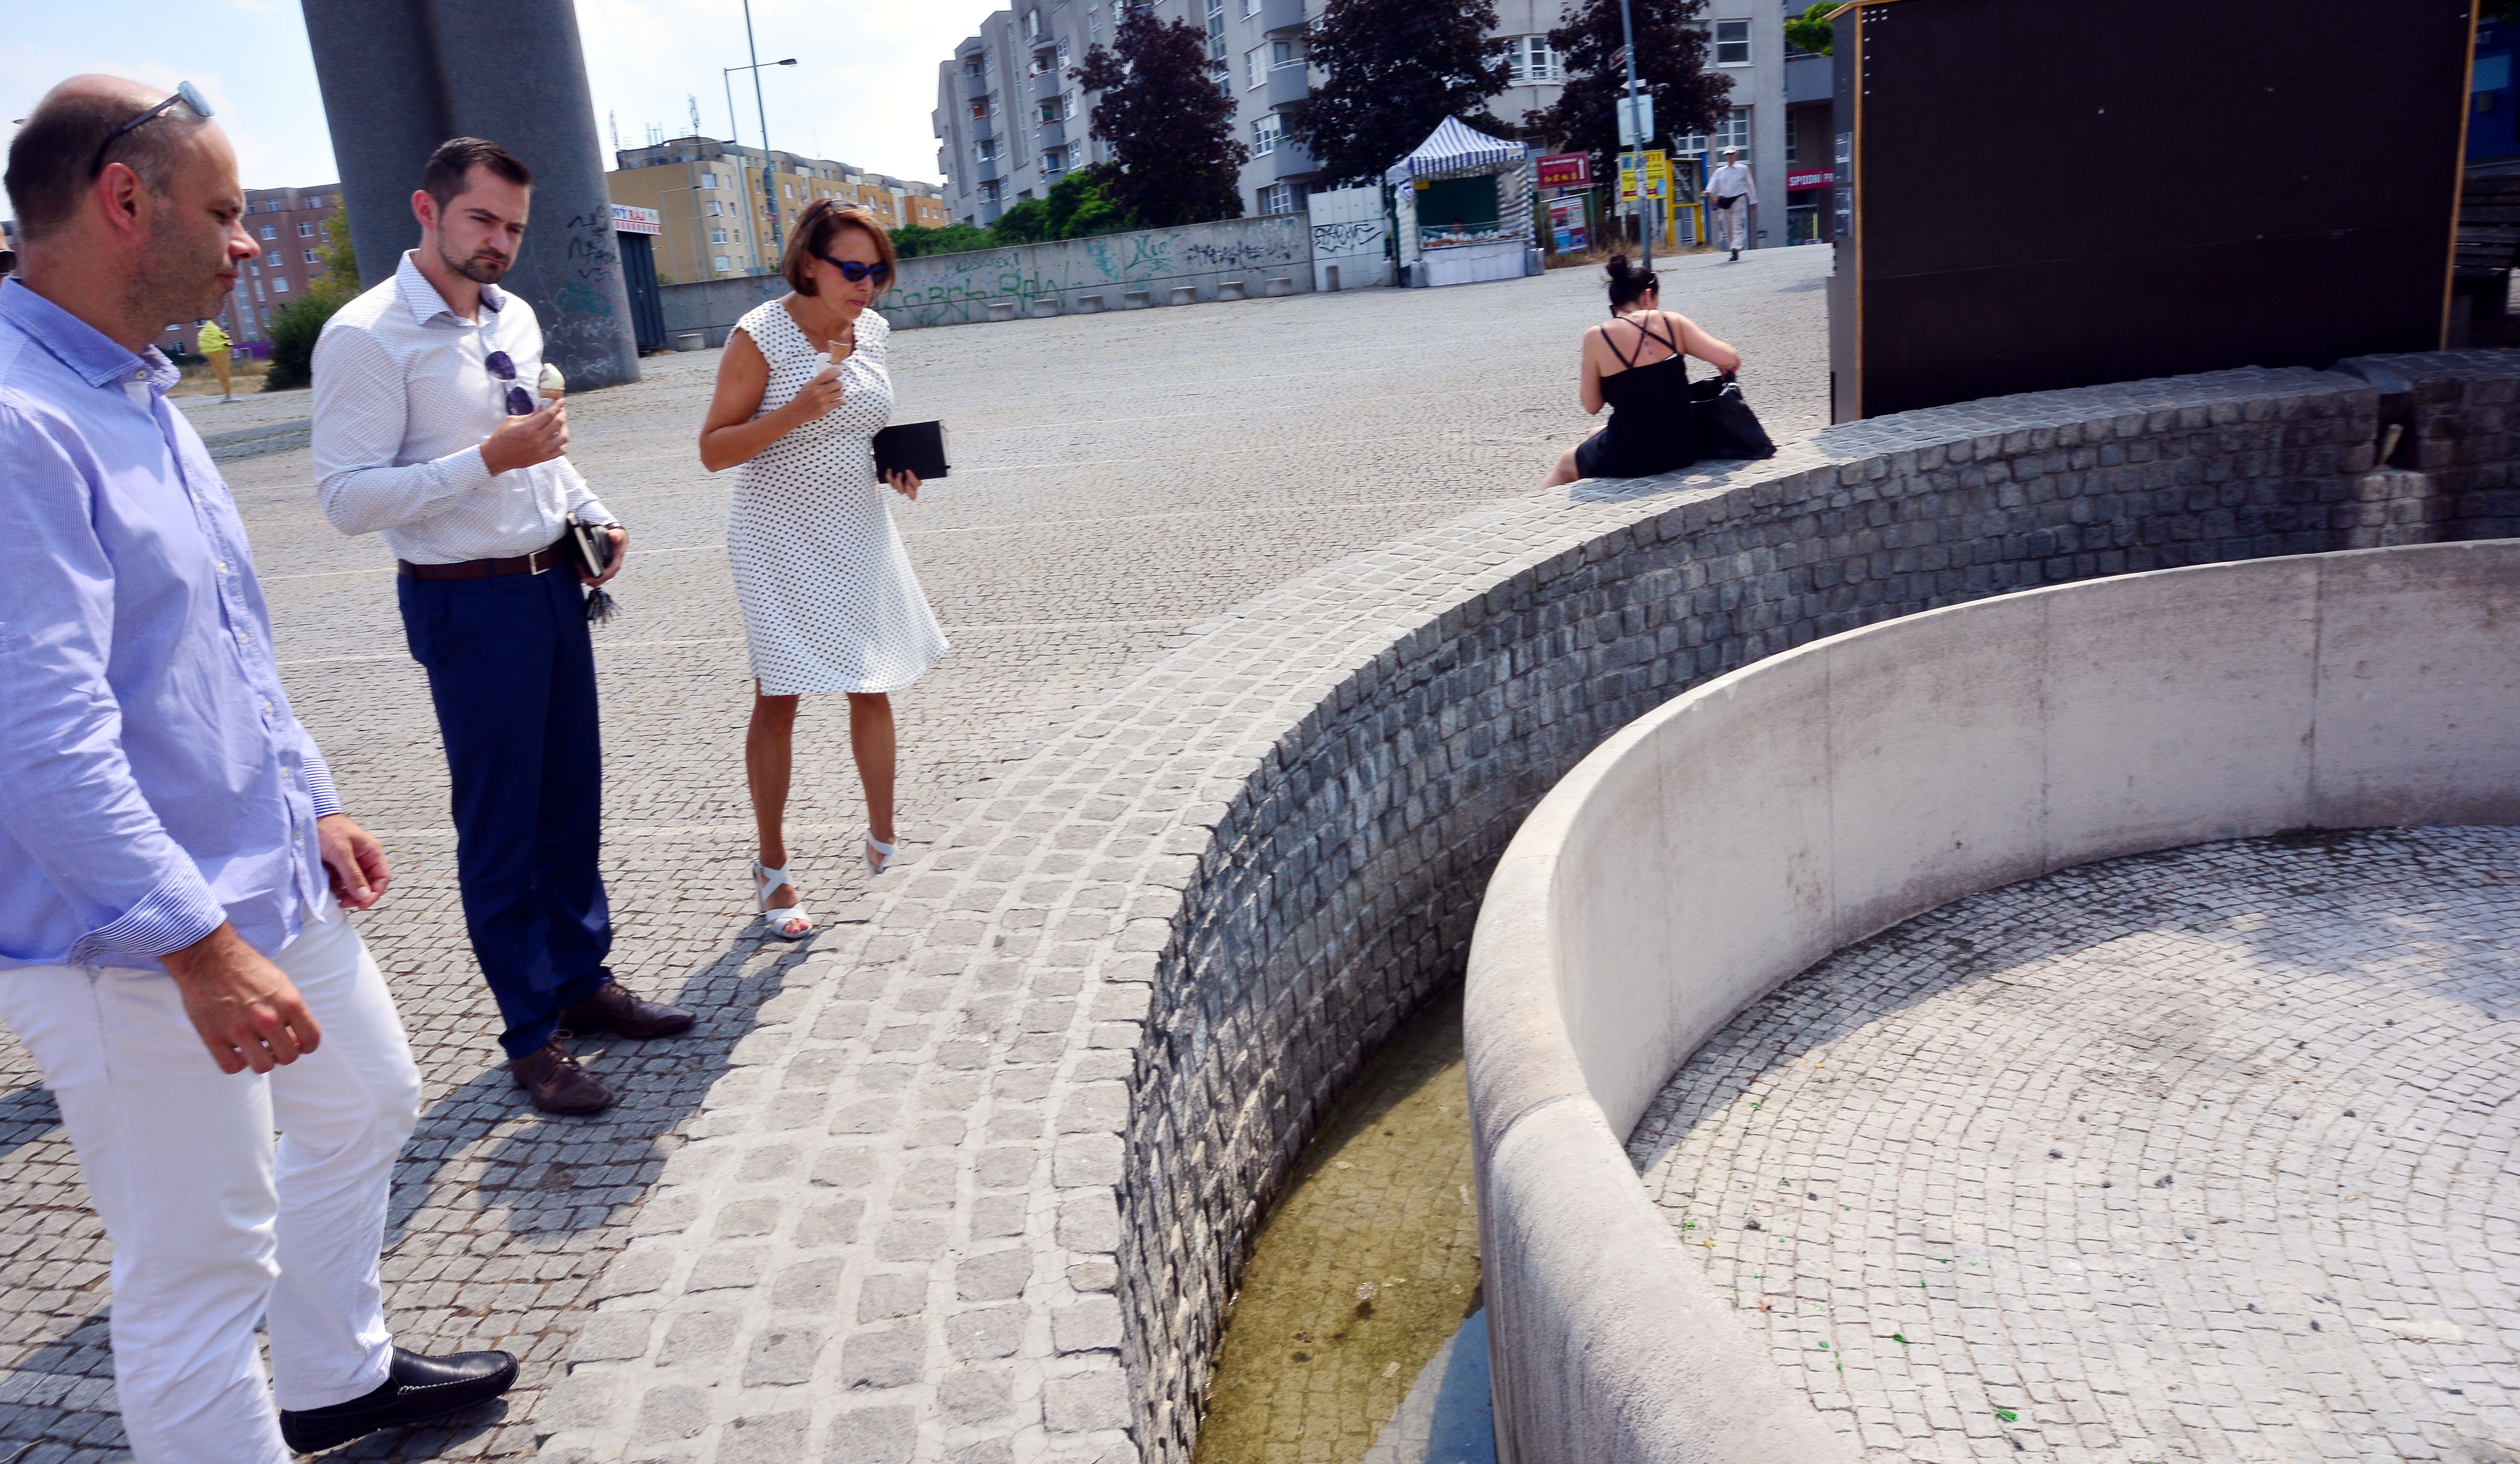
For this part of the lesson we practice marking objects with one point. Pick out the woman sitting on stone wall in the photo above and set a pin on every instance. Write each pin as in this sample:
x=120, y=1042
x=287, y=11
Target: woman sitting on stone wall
x=829, y=602
x=1636, y=363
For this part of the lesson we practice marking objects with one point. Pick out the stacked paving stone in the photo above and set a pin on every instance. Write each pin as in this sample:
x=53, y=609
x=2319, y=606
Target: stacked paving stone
x=1001, y=1153
x=2464, y=420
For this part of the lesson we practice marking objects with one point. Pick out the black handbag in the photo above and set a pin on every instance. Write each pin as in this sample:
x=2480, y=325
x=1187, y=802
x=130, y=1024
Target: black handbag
x=1727, y=427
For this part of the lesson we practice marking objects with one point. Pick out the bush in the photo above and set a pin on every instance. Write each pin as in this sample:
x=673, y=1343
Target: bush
x=294, y=330
x=911, y=241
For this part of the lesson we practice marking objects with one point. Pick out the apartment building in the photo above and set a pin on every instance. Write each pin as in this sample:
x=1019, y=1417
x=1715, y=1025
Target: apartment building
x=716, y=220
x=289, y=224
x=1008, y=122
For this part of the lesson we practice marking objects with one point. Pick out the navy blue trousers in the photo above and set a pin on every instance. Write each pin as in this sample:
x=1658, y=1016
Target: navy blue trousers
x=512, y=672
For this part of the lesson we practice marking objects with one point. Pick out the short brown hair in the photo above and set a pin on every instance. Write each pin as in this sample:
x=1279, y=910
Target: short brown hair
x=48, y=162
x=813, y=233
x=444, y=179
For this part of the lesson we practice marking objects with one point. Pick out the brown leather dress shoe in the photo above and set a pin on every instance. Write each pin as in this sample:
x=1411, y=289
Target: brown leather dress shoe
x=552, y=1078
x=613, y=1009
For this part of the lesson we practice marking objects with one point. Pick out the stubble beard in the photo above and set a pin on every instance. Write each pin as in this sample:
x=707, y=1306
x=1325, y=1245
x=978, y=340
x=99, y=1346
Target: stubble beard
x=181, y=283
x=480, y=269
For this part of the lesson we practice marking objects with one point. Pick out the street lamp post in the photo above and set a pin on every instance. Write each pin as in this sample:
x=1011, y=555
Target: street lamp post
x=769, y=183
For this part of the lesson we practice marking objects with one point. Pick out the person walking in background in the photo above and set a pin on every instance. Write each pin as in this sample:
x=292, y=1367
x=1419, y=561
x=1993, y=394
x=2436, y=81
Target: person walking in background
x=171, y=849
x=212, y=342
x=1735, y=192
x=425, y=431
x=829, y=602
x=1637, y=364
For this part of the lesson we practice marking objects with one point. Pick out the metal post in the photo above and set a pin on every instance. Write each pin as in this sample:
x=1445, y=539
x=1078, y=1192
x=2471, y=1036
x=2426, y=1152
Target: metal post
x=769, y=167
x=1628, y=35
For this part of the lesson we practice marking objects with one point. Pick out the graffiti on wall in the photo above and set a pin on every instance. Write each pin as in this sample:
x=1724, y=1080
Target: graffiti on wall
x=1357, y=237
x=952, y=290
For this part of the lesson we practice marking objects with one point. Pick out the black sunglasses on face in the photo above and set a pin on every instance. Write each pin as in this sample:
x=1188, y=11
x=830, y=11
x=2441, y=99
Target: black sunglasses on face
x=853, y=272
x=184, y=93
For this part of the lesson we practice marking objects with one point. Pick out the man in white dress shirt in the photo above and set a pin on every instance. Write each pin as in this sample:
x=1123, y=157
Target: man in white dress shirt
x=1733, y=193
x=426, y=430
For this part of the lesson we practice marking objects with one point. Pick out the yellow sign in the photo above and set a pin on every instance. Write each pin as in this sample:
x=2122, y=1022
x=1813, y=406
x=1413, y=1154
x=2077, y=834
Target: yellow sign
x=1628, y=179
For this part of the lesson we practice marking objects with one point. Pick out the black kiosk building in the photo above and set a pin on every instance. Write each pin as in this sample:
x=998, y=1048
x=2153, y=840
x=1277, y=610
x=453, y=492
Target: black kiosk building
x=2042, y=196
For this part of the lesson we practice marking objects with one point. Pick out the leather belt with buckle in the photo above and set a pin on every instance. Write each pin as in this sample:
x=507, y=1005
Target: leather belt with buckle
x=487, y=569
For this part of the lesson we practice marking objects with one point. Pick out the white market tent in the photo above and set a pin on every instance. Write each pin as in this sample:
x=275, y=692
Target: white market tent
x=1464, y=206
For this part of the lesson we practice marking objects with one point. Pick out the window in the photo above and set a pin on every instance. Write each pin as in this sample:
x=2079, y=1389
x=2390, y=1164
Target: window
x=987, y=147
x=1256, y=65
x=257, y=289
x=1265, y=132
x=280, y=285
x=1277, y=197
x=306, y=230
x=272, y=259
x=1049, y=110
x=979, y=109
x=1250, y=7
x=1734, y=132
x=1067, y=106
x=1731, y=43
x=311, y=257
x=315, y=201
x=1533, y=62
x=709, y=180
x=1283, y=54
x=1032, y=25
x=973, y=65
x=1044, y=61
x=717, y=236
x=738, y=235
x=1216, y=33
x=722, y=265
x=1053, y=162
x=709, y=209
x=271, y=231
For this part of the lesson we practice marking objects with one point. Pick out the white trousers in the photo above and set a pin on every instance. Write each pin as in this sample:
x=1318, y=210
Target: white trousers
x=210, y=1233
x=1731, y=225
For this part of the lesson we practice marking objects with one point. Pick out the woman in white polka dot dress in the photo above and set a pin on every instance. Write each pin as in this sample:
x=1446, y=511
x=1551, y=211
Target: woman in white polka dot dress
x=829, y=602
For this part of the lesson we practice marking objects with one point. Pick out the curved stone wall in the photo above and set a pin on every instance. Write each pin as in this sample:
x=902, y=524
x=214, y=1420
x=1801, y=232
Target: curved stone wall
x=1344, y=758
x=1730, y=839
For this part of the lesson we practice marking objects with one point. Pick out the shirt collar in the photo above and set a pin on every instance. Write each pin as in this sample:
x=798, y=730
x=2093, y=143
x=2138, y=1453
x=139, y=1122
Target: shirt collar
x=78, y=346
x=424, y=300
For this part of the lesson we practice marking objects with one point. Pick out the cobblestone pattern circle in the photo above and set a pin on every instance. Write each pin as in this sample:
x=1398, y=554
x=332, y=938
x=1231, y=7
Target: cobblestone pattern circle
x=2197, y=1155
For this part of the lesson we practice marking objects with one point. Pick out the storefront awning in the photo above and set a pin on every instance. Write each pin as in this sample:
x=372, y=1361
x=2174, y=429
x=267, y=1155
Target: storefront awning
x=1454, y=149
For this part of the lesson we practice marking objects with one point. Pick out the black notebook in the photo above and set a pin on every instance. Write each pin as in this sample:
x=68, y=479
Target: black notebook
x=919, y=446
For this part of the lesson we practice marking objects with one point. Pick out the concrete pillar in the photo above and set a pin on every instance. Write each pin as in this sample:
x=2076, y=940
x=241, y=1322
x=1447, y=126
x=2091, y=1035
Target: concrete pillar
x=400, y=76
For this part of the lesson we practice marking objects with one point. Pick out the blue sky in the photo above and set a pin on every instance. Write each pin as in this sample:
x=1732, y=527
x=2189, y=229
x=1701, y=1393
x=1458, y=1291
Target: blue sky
x=862, y=92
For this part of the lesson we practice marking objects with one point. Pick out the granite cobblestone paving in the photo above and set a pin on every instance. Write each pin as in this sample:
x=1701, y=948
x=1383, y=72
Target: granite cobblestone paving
x=816, y=1230
x=2197, y=1155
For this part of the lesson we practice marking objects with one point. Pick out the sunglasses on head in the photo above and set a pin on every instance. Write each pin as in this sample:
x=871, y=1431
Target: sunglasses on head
x=853, y=272
x=186, y=94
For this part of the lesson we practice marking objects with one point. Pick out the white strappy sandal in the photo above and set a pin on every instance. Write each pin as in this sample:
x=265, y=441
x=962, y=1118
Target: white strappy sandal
x=880, y=854
x=791, y=923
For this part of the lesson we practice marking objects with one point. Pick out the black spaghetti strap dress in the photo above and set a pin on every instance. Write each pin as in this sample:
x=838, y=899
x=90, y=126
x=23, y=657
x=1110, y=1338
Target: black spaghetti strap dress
x=1652, y=427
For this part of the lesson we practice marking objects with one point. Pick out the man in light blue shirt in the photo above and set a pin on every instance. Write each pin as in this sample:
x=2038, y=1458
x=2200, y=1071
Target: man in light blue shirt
x=171, y=849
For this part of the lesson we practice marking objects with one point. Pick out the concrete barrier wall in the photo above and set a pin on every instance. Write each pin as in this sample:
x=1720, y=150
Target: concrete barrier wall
x=1736, y=835
x=955, y=290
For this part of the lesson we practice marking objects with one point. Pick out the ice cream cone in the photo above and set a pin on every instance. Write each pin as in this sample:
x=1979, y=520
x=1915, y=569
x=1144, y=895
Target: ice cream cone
x=553, y=384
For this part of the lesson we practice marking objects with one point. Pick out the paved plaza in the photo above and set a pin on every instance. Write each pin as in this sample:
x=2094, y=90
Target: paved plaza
x=1121, y=478
x=2199, y=1155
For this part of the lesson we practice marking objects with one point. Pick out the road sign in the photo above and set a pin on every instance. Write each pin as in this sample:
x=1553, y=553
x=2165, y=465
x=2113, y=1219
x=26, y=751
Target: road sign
x=1631, y=171
x=1566, y=170
x=1635, y=119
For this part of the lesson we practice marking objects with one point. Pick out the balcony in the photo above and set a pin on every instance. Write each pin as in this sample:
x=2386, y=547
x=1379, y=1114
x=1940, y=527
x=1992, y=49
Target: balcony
x=1290, y=161
x=1810, y=78
x=975, y=84
x=1053, y=134
x=1045, y=85
x=1291, y=82
x=1282, y=15
x=985, y=171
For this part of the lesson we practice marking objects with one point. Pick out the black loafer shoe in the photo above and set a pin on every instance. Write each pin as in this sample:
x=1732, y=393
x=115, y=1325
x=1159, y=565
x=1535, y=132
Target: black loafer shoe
x=416, y=1389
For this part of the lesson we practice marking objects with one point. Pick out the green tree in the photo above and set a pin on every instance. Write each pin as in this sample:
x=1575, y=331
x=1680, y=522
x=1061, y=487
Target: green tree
x=1169, y=125
x=297, y=326
x=1811, y=31
x=911, y=241
x=1670, y=64
x=1079, y=204
x=1396, y=69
